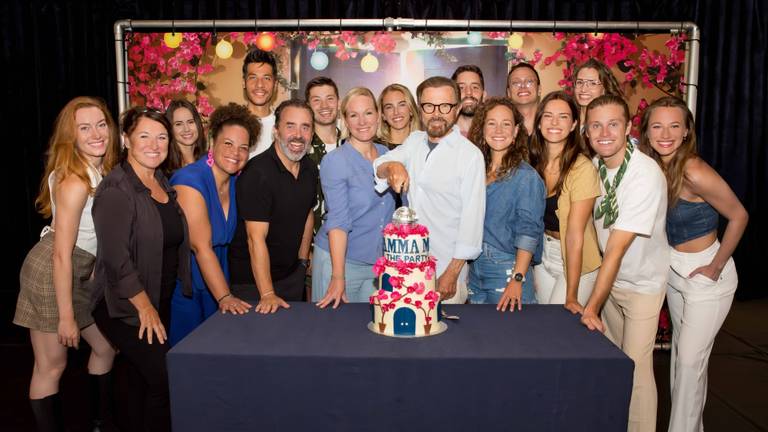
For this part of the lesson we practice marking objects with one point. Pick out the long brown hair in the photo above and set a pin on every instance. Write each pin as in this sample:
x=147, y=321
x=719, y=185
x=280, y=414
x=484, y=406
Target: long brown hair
x=516, y=153
x=607, y=79
x=175, y=159
x=63, y=156
x=674, y=170
x=574, y=144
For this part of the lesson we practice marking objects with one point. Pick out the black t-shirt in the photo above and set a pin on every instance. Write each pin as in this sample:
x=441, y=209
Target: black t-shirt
x=268, y=192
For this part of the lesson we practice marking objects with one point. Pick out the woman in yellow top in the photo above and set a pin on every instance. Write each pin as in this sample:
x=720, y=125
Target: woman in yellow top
x=571, y=256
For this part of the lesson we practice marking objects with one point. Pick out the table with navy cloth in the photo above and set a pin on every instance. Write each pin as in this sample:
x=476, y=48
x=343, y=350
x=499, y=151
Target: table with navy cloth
x=307, y=369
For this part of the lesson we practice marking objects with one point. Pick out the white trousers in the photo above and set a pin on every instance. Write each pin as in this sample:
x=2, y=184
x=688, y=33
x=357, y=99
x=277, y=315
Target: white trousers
x=698, y=306
x=549, y=278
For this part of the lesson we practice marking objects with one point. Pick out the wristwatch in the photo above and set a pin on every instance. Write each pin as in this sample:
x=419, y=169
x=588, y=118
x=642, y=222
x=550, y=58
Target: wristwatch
x=304, y=262
x=519, y=277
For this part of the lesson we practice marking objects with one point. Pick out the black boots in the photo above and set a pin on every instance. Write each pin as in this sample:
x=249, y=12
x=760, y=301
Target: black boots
x=47, y=412
x=102, y=398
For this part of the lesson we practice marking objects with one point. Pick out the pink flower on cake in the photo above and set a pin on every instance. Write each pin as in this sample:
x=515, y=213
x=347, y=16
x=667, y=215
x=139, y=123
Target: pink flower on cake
x=403, y=268
x=396, y=296
x=419, y=287
x=382, y=295
x=396, y=282
x=431, y=305
x=431, y=296
x=411, y=289
x=430, y=272
x=407, y=300
x=379, y=265
x=417, y=303
x=429, y=319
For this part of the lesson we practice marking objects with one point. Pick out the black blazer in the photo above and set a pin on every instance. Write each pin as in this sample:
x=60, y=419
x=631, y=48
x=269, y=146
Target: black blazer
x=130, y=243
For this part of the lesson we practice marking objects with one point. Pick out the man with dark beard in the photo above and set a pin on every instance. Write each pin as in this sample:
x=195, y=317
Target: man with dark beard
x=268, y=256
x=444, y=175
x=471, y=84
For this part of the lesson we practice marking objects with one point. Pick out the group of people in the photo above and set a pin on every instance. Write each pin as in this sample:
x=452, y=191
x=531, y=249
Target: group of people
x=527, y=199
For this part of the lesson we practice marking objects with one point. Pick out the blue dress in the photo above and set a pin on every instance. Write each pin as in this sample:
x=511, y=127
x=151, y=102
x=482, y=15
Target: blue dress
x=188, y=313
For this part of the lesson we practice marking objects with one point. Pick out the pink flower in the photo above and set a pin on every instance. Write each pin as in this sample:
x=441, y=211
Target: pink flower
x=417, y=303
x=430, y=272
x=379, y=266
x=431, y=305
x=431, y=295
x=429, y=319
x=419, y=287
x=407, y=300
x=396, y=296
x=396, y=282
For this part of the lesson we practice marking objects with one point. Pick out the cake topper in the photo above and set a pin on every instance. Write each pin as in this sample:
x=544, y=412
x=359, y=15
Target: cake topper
x=404, y=215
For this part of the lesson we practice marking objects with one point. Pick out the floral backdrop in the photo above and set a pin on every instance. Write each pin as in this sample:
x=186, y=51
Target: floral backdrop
x=161, y=68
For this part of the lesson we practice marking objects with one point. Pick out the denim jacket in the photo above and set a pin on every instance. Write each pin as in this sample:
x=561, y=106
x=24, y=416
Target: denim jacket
x=514, y=212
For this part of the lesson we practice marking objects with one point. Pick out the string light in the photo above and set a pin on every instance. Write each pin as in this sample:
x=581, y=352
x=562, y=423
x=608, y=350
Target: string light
x=172, y=40
x=265, y=42
x=319, y=60
x=515, y=41
x=369, y=63
x=224, y=49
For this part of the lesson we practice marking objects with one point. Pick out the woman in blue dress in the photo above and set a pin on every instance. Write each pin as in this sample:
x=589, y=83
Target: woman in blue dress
x=514, y=212
x=206, y=193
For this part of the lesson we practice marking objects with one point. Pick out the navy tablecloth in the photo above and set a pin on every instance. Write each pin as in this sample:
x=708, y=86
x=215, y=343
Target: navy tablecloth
x=307, y=369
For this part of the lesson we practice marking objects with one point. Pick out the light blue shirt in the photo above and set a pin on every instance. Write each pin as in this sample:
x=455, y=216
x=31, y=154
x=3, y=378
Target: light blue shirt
x=353, y=205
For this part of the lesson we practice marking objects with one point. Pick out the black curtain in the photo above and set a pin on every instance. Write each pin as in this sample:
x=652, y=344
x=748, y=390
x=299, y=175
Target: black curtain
x=55, y=50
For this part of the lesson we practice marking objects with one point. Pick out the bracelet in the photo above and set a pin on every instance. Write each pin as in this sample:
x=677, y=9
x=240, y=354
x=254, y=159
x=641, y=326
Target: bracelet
x=229, y=294
x=337, y=277
x=268, y=293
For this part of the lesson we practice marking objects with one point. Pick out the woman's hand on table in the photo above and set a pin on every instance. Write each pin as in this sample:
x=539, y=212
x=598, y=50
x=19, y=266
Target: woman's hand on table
x=270, y=303
x=336, y=294
x=513, y=294
x=234, y=305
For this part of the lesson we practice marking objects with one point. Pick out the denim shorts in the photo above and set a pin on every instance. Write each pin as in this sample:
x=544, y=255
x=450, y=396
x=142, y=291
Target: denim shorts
x=490, y=273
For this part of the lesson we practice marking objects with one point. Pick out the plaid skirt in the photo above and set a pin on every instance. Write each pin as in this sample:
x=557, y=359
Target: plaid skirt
x=36, y=306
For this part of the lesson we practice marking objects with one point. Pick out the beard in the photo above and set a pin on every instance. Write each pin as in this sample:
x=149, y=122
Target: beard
x=438, y=127
x=291, y=155
x=469, y=109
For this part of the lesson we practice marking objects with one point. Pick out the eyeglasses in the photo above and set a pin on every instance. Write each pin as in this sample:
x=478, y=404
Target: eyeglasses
x=522, y=84
x=444, y=108
x=587, y=83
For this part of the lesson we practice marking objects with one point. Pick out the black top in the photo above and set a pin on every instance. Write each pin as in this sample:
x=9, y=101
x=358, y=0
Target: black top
x=551, y=222
x=131, y=243
x=173, y=235
x=268, y=192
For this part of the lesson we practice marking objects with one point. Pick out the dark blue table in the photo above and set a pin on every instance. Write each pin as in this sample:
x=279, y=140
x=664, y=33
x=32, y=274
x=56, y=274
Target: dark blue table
x=307, y=369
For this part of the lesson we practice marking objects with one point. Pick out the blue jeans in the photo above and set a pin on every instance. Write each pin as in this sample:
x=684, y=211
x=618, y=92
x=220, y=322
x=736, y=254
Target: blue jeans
x=490, y=273
x=359, y=280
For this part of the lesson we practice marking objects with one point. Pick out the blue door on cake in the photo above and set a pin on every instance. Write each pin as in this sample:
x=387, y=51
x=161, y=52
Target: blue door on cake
x=405, y=322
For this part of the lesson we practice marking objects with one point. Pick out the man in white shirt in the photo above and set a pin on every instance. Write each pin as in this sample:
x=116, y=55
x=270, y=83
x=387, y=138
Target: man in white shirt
x=630, y=221
x=259, y=86
x=444, y=175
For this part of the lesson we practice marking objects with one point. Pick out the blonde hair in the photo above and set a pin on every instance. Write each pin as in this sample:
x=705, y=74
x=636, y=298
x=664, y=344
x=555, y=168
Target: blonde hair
x=385, y=134
x=355, y=91
x=65, y=159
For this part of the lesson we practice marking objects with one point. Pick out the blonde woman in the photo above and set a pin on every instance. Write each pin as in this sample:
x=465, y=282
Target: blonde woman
x=399, y=115
x=349, y=241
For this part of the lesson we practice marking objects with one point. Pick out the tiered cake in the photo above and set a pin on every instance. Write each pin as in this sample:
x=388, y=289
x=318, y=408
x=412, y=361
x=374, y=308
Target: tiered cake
x=406, y=303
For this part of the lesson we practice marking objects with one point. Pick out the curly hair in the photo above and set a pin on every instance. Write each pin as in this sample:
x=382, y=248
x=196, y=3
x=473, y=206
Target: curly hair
x=237, y=115
x=516, y=153
x=63, y=155
x=674, y=170
x=574, y=144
